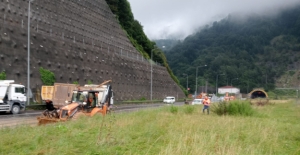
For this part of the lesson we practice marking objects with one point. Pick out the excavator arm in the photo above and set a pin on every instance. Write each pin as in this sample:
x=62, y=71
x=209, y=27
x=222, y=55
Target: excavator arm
x=105, y=82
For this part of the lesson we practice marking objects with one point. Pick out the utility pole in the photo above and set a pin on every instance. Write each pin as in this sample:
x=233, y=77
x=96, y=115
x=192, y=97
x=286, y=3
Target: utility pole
x=217, y=83
x=28, y=55
x=151, y=75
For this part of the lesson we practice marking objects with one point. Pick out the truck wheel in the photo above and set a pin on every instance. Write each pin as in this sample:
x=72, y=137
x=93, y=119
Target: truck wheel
x=15, y=109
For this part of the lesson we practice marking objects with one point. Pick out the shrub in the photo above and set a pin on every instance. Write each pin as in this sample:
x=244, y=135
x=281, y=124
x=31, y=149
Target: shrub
x=47, y=77
x=143, y=99
x=246, y=109
x=2, y=75
x=174, y=109
x=189, y=109
x=291, y=73
x=220, y=108
x=242, y=108
x=233, y=108
x=75, y=82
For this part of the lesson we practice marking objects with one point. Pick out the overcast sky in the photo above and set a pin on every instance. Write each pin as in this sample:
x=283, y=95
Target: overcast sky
x=163, y=19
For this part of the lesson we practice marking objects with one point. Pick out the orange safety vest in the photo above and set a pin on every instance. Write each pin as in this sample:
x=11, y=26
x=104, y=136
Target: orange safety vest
x=206, y=102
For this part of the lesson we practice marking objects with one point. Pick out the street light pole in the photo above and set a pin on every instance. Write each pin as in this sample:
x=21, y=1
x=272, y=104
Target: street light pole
x=151, y=74
x=217, y=83
x=197, y=77
x=233, y=79
x=28, y=54
x=151, y=77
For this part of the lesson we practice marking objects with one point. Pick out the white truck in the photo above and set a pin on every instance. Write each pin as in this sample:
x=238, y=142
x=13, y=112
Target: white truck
x=12, y=97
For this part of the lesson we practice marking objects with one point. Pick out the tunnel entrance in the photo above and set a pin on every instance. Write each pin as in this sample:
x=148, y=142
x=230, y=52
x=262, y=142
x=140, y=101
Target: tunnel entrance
x=258, y=93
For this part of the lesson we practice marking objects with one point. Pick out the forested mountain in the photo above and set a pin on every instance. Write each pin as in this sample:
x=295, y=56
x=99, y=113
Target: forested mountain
x=166, y=44
x=256, y=49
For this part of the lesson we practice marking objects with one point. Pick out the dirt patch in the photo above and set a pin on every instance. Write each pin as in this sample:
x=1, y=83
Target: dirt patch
x=279, y=101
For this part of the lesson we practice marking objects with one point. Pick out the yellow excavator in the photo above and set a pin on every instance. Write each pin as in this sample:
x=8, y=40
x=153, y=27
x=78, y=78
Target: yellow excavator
x=86, y=100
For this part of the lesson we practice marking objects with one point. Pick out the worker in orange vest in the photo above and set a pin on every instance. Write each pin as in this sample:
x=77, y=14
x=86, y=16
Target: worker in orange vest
x=206, y=103
x=226, y=98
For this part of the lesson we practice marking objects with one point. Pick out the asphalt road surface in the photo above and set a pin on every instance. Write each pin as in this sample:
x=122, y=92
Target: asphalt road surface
x=29, y=117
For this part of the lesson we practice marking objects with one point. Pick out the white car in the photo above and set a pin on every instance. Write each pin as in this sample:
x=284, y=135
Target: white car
x=197, y=101
x=169, y=99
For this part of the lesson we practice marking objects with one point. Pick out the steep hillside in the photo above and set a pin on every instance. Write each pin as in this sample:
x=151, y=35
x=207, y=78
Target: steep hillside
x=135, y=32
x=255, y=49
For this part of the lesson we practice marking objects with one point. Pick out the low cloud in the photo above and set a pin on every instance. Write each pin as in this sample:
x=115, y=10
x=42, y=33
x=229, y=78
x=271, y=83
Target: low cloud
x=164, y=19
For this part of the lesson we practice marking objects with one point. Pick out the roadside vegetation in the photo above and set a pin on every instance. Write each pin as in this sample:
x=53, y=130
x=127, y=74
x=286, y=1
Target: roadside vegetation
x=47, y=77
x=2, y=75
x=272, y=129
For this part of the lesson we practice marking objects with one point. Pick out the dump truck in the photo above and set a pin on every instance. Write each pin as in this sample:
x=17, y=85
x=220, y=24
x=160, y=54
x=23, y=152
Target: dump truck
x=12, y=97
x=84, y=100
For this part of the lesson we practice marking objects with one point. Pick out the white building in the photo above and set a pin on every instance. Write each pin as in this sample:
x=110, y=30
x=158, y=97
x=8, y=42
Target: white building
x=228, y=89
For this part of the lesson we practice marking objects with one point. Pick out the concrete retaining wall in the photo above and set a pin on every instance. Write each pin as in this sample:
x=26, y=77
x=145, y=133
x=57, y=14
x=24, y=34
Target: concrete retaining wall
x=78, y=41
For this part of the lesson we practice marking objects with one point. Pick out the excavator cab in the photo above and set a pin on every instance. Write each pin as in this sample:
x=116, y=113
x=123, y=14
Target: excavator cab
x=89, y=98
x=92, y=99
x=79, y=96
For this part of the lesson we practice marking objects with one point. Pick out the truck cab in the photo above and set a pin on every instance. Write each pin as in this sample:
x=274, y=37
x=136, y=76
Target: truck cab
x=12, y=97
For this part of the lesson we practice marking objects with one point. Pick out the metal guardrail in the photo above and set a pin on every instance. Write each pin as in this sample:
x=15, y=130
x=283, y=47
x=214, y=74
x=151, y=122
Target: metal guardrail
x=137, y=57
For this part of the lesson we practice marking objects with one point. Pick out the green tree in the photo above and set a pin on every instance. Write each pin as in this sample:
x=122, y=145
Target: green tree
x=47, y=77
x=2, y=75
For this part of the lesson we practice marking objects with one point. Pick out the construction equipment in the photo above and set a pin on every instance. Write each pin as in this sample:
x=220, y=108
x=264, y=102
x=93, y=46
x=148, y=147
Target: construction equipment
x=229, y=98
x=12, y=97
x=201, y=96
x=85, y=100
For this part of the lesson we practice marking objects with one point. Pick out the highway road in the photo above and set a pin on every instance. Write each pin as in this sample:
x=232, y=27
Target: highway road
x=29, y=117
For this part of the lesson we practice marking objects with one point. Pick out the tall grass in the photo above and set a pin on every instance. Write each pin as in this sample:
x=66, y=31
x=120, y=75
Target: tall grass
x=273, y=129
x=174, y=109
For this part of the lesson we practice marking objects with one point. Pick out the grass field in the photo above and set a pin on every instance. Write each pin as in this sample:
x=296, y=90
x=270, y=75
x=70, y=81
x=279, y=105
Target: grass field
x=273, y=129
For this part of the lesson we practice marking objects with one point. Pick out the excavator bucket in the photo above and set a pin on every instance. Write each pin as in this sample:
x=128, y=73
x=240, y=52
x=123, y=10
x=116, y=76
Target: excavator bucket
x=45, y=120
x=96, y=110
